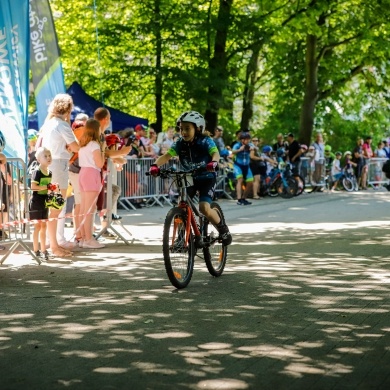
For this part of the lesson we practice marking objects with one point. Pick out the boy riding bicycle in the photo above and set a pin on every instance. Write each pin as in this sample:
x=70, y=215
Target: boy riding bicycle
x=194, y=148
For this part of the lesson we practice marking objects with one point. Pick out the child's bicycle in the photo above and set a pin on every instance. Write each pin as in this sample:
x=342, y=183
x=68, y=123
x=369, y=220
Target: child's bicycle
x=186, y=231
x=349, y=180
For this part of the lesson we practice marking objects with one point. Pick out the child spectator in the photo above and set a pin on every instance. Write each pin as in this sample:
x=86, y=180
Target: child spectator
x=40, y=184
x=336, y=171
x=91, y=160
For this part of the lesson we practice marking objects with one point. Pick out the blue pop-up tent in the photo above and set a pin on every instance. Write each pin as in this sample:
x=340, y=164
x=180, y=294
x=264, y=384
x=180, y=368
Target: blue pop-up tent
x=87, y=104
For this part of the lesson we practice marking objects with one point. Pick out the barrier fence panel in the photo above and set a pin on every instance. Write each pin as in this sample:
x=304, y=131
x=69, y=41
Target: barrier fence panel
x=14, y=214
x=375, y=177
x=137, y=187
x=112, y=193
x=314, y=172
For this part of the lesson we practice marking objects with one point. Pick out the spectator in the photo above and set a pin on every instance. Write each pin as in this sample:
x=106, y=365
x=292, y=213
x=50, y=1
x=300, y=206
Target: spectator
x=242, y=171
x=152, y=150
x=41, y=178
x=58, y=137
x=74, y=170
x=386, y=148
x=237, y=140
x=103, y=116
x=367, y=155
x=358, y=159
x=91, y=159
x=257, y=165
x=380, y=151
x=168, y=140
x=294, y=154
x=304, y=161
x=336, y=171
x=280, y=143
x=319, y=162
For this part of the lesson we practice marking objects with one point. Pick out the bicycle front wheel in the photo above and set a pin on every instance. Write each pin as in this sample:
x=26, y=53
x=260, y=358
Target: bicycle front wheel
x=215, y=253
x=178, y=256
x=348, y=184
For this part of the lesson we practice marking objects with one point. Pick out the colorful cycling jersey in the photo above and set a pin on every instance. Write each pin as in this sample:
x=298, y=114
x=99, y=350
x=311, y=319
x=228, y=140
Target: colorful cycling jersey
x=195, y=153
x=241, y=158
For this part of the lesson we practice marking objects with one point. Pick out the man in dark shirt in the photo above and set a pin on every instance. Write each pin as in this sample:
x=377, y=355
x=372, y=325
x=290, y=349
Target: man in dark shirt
x=294, y=153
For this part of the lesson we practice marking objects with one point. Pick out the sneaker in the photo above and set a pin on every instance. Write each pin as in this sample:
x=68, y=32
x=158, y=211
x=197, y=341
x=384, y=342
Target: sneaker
x=244, y=202
x=67, y=245
x=79, y=242
x=93, y=244
x=46, y=255
x=225, y=235
x=38, y=254
x=240, y=202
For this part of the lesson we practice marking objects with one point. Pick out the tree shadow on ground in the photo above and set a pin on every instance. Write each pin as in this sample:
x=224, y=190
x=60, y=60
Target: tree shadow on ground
x=296, y=309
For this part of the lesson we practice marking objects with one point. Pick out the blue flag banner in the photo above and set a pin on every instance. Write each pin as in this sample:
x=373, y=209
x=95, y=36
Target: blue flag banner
x=46, y=68
x=14, y=82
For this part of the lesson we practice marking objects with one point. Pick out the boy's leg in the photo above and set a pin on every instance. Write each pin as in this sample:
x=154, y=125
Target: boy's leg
x=42, y=237
x=37, y=229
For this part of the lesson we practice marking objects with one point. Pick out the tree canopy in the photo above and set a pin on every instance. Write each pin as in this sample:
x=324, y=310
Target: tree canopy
x=272, y=66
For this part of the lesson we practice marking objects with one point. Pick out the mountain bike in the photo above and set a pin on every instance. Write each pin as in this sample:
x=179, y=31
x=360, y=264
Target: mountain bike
x=186, y=231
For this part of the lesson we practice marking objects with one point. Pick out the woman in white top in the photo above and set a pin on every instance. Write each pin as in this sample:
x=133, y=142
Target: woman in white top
x=91, y=161
x=57, y=136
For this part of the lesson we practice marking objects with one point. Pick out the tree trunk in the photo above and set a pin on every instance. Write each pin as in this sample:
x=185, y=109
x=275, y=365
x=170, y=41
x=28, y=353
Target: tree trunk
x=311, y=91
x=218, y=74
x=249, y=90
x=158, y=83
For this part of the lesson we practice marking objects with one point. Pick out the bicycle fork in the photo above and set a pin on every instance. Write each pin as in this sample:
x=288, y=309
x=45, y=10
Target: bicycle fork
x=191, y=223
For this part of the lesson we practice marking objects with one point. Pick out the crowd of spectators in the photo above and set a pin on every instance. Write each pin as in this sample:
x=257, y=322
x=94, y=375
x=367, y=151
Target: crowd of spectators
x=252, y=160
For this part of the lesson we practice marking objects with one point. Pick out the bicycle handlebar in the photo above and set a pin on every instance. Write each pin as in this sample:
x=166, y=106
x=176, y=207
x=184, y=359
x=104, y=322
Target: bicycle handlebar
x=172, y=171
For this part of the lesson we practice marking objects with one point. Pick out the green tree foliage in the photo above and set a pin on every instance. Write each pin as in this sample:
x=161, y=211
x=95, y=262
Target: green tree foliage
x=274, y=66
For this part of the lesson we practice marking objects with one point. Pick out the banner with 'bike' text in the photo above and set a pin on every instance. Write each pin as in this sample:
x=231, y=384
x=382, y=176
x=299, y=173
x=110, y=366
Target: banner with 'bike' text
x=46, y=68
x=14, y=68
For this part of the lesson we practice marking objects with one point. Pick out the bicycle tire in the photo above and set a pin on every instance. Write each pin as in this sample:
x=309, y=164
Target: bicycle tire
x=289, y=190
x=273, y=189
x=215, y=253
x=300, y=184
x=348, y=184
x=178, y=258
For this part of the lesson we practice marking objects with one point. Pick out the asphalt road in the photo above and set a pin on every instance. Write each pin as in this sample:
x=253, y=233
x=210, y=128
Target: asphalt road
x=303, y=304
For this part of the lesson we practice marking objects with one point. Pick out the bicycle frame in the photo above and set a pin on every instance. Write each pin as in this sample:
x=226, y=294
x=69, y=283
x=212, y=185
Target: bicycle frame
x=187, y=205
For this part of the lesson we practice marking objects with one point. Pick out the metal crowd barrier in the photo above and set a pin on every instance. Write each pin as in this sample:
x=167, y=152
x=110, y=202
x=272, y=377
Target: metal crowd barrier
x=375, y=177
x=14, y=214
x=110, y=181
x=137, y=187
x=314, y=172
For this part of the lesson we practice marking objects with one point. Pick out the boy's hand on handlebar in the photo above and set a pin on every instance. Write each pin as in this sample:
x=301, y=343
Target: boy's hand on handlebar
x=154, y=170
x=211, y=166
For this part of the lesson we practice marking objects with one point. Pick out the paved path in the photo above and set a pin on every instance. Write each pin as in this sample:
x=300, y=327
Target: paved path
x=304, y=303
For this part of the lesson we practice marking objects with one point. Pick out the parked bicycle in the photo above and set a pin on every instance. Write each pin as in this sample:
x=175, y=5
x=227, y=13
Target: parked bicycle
x=279, y=182
x=186, y=231
x=349, y=180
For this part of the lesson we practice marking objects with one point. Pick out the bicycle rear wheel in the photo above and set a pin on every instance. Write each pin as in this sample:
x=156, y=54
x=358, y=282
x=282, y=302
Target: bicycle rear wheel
x=289, y=190
x=178, y=257
x=215, y=253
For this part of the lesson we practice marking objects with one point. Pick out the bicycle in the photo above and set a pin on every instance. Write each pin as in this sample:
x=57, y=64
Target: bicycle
x=186, y=230
x=280, y=182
